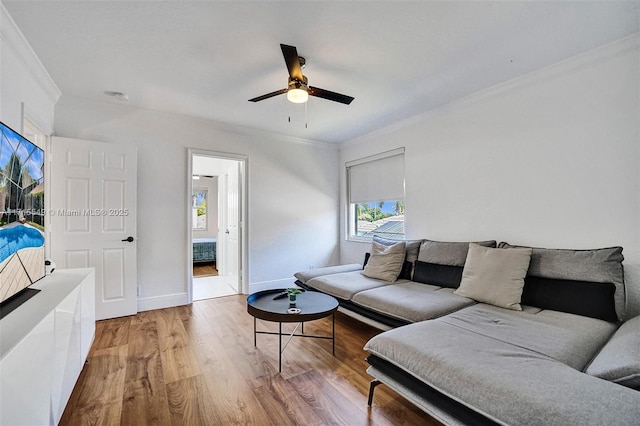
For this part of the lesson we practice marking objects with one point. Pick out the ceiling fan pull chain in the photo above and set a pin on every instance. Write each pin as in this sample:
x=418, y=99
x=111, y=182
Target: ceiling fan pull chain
x=306, y=116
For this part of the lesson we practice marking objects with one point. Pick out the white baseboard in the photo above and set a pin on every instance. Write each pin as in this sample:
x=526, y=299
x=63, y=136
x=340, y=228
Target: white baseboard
x=160, y=302
x=179, y=299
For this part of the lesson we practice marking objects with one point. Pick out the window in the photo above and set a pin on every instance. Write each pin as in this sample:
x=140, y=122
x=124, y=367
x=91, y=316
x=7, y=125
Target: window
x=199, y=207
x=375, y=191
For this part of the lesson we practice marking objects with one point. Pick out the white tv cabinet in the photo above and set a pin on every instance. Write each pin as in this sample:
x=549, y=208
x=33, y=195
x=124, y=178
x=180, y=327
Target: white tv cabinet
x=43, y=346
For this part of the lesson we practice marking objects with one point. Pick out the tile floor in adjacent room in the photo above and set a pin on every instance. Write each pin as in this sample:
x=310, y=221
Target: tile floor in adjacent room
x=215, y=286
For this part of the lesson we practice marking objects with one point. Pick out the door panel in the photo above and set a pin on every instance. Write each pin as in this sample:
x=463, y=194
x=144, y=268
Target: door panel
x=93, y=200
x=113, y=272
x=77, y=259
x=113, y=198
x=233, y=252
x=78, y=199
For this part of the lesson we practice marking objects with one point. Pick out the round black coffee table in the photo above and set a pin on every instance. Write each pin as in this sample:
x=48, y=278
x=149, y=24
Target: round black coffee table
x=312, y=305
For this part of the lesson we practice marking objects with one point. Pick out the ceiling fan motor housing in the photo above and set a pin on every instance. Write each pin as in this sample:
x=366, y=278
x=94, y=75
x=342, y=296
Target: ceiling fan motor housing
x=294, y=83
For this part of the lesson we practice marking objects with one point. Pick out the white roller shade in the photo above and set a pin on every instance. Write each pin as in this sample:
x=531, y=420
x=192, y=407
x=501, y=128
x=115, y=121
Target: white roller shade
x=377, y=178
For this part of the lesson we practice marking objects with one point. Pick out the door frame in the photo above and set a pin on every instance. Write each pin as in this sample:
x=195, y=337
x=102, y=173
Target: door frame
x=243, y=263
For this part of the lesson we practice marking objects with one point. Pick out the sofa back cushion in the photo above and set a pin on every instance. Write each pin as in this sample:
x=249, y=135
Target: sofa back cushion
x=584, y=298
x=447, y=253
x=582, y=282
x=440, y=275
x=441, y=262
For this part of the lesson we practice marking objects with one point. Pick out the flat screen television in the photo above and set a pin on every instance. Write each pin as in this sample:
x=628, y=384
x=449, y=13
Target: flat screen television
x=22, y=218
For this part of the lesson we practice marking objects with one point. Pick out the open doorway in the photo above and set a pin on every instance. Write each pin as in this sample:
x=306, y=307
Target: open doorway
x=216, y=211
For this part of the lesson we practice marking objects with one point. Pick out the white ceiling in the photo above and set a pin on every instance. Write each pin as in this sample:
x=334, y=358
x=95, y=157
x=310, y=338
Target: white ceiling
x=398, y=59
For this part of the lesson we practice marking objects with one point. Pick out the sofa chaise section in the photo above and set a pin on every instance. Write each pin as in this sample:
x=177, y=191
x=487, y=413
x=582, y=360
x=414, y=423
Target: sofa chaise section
x=503, y=371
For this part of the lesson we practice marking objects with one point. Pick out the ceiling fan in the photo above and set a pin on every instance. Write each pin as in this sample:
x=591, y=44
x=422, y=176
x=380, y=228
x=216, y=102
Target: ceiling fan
x=298, y=90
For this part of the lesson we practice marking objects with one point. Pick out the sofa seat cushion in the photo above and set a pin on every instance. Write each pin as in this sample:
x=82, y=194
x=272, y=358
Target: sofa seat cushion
x=304, y=276
x=507, y=377
x=346, y=284
x=411, y=301
x=570, y=339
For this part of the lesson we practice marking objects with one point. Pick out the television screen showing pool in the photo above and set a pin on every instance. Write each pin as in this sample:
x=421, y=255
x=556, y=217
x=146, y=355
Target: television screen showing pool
x=22, y=214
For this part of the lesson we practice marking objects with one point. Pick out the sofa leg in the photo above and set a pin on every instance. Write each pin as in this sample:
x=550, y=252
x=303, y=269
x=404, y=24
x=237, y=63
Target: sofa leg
x=372, y=387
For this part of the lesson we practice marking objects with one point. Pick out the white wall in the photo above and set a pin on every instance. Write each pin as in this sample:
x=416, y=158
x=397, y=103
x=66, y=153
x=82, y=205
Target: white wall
x=23, y=80
x=292, y=189
x=551, y=159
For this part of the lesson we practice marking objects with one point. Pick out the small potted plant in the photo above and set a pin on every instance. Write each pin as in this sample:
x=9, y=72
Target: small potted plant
x=292, y=292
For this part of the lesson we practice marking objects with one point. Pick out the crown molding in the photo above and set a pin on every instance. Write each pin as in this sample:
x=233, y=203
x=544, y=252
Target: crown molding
x=252, y=132
x=13, y=38
x=617, y=48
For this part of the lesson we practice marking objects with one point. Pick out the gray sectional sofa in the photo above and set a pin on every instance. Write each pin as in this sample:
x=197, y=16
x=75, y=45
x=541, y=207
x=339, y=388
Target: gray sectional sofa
x=479, y=333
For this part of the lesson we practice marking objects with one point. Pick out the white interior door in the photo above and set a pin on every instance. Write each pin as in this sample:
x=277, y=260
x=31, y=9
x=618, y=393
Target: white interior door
x=93, y=218
x=232, y=246
x=221, y=254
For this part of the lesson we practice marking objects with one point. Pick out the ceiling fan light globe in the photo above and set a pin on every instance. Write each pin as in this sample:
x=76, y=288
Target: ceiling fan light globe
x=297, y=96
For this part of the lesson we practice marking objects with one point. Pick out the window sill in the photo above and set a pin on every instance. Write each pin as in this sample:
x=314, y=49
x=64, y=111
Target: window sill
x=357, y=239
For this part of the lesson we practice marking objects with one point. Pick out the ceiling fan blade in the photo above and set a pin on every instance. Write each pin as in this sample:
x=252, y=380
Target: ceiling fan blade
x=332, y=96
x=269, y=95
x=290, y=54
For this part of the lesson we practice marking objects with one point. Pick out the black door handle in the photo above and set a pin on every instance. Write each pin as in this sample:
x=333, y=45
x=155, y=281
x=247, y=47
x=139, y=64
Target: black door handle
x=128, y=239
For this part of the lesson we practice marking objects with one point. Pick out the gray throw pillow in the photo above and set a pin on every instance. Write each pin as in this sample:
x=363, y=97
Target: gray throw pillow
x=495, y=276
x=385, y=262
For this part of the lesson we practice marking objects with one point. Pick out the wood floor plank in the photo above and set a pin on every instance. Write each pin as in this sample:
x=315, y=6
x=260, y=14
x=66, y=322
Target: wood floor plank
x=197, y=364
x=289, y=400
x=235, y=400
x=204, y=270
x=326, y=401
x=189, y=403
x=271, y=404
x=178, y=360
x=145, y=397
x=101, y=392
x=115, y=332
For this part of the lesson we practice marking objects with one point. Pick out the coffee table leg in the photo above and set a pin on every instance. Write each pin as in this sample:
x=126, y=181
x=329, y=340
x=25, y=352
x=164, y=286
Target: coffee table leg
x=279, y=347
x=255, y=339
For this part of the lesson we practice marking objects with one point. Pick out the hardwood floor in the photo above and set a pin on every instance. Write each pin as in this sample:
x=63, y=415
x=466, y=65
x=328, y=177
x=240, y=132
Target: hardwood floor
x=196, y=365
x=204, y=269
